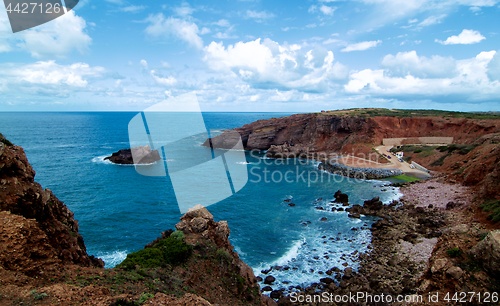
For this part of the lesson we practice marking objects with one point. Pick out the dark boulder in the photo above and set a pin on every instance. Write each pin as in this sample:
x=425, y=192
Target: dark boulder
x=267, y=288
x=326, y=280
x=341, y=197
x=276, y=294
x=373, y=204
x=269, y=280
x=141, y=156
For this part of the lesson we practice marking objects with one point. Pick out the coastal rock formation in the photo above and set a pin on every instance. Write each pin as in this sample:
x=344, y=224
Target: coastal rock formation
x=357, y=172
x=141, y=155
x=37, y=228
x=340, y=197
x=309, y=134
x=43, y=258
x=200, y=228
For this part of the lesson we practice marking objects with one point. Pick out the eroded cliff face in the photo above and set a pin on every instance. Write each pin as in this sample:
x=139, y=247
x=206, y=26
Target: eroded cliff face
x=462, y=130
x=315, y=135
x=37, y=228
x=313, y=132
x=332, y=133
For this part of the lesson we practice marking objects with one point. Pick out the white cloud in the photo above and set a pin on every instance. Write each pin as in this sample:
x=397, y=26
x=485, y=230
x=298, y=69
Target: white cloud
x=466, y=37
x=267, y=64
x=468, y=81
x=160, y=26
x=51, y=73
x=224, y=23
x=168, y=81
x=361, y=46
x=494, y=67
x=259, y=16
x=144, y=63
x=404, y=63
x=432, y=20
x=204, y=31
x=57, y=38
x=327, y=10
x=184, y=10
x=5, y=45
x=324, y=9
x=388, y=12
x=133, y=8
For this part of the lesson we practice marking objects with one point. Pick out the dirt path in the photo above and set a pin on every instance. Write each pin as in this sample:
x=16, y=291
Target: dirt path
x=403, y=166
x=393, y=163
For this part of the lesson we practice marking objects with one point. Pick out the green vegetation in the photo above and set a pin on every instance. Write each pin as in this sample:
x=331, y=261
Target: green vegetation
x=439, y=161
x=493, y=208
x=404, y=178
x=123, y=302
x=376, y=112
x=461, y=149
x=454, y=252
x=223, y=256
x=423, y=150
x=37, y=296
x=144, y=297
x=5, y=141
x=167, y=251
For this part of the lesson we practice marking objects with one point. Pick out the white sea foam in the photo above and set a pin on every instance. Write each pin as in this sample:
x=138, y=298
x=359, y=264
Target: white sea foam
x=290, y=254
x=243, y=163
x=239, y=251
x=307, y=260
x=101, y=160
x=111, y=259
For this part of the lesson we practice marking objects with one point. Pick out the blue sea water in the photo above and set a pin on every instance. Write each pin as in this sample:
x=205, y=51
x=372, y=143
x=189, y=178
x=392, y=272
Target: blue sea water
x=119, y=211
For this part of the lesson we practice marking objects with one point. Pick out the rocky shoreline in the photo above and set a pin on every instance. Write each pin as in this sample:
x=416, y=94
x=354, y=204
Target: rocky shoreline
x=357, y=172
x=383, y=269
x=410, y=253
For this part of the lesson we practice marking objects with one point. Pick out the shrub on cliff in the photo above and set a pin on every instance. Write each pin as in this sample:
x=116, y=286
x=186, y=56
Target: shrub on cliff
x=5, y=141
x=493, y=208
x=171, y=250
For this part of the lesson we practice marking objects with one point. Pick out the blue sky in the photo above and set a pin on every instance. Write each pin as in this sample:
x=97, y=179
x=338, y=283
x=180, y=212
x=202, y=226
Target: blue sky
x=252, y=55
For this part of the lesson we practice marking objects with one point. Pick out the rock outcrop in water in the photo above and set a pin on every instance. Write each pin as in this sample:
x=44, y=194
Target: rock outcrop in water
x=142, y=155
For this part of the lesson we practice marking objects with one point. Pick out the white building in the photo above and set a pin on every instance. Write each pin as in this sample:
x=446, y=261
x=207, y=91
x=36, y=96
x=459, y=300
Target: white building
x=399, y=155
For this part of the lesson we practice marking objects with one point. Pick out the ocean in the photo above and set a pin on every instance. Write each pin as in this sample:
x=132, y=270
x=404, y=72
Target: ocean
x=120, y=211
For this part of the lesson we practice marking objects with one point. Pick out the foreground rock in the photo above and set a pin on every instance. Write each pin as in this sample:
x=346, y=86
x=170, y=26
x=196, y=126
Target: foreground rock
x=137, y=155
x=487, y=252
x=38, y=231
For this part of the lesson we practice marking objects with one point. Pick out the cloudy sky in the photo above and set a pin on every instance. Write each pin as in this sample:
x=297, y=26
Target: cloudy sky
x=257, y=55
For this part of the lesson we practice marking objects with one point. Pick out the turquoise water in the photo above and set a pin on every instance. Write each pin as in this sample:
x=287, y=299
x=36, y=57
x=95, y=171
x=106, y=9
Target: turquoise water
x=120, y=211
